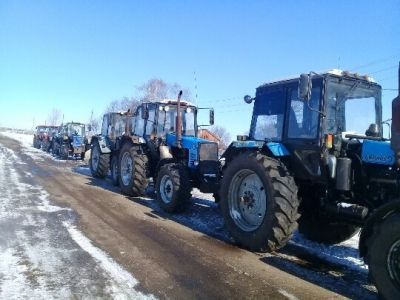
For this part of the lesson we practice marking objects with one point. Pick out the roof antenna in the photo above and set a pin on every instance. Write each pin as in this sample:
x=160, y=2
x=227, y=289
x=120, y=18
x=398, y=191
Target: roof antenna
x=398, y=78
x=195, y=87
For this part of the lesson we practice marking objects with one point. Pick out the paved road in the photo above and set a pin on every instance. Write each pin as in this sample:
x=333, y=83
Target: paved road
x=64, y=234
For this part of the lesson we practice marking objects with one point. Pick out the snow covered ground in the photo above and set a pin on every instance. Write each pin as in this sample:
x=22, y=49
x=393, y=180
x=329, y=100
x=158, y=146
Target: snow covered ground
x=43, y=254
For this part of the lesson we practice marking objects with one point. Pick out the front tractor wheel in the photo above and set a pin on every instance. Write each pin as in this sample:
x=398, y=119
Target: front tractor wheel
x=259, y=202
x=173, y=187
x=384, y=257
x=132, y=171
x=98, y=163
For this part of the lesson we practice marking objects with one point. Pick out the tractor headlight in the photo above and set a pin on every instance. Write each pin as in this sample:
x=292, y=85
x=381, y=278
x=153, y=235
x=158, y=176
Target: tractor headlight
x=166, y=108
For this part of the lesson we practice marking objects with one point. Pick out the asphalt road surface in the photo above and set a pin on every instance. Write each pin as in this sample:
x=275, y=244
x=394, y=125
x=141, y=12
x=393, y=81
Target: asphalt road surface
x=64, y=234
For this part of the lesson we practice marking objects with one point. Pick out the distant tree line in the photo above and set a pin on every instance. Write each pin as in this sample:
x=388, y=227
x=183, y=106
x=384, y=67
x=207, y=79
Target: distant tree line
x=153, y=90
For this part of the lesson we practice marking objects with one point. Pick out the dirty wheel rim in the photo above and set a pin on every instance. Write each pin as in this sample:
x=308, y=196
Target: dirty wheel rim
x=126, y=168
x=393, y=263
x=95, y=158
x=247, y=200
x=166, y=189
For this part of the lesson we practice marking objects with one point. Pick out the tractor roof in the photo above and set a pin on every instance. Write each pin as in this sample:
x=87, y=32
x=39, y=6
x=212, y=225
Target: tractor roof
x=74, y=123
x=119, y=113
x=174, y=102
x=333, y=72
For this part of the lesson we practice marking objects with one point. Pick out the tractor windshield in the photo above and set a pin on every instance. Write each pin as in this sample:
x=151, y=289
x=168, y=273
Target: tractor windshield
x=167, y=120
x=352, y=106
x=76, y=129
x=268, y=116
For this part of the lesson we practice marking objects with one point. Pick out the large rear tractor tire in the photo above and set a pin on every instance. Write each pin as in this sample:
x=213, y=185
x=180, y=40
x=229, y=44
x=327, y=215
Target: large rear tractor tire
x=383, y=257
x=114, y=170
x=173, y=187
x=259, y=202
x=132, y=172
x=323, y=230
x=98, y=163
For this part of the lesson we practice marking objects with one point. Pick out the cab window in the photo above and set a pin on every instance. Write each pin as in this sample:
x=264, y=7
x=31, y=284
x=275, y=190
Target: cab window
x=303, y=121
x=139, y=123
x=150, y=121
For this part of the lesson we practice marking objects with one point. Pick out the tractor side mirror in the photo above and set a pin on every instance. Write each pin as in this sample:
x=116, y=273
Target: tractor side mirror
x=145, y=112
x=248, y=99
x=305, y=86
x=211, y=116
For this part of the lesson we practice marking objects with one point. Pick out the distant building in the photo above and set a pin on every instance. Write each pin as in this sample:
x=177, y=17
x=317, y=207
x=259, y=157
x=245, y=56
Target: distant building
x=208, y=135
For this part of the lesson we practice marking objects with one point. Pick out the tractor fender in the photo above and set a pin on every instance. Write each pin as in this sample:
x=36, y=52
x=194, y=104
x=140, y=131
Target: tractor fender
x=101, y=140
x=271, y=148
x=376, y=217
x=237, y=147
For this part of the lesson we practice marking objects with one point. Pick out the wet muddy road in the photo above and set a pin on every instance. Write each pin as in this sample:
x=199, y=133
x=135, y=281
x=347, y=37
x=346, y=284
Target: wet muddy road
x=63, y=234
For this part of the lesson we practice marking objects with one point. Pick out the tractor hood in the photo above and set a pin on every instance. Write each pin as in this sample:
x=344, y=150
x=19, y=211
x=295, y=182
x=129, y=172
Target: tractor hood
x=377, y=152
x=187, y=141
x=198, y=149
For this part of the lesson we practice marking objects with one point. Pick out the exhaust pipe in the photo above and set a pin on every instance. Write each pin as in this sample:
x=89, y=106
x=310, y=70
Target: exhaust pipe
x=178, y=126
x=395, y=130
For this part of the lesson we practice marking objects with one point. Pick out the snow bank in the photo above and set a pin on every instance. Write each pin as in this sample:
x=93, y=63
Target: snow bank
x=124, y=279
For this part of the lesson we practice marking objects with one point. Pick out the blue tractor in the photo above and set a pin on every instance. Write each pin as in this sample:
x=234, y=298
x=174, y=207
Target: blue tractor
x=105, y=146
x=70, y=141
x=316, y=160
x=161, y=142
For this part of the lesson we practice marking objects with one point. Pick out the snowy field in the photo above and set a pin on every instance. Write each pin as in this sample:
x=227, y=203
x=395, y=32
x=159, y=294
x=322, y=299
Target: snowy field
x=203, y=216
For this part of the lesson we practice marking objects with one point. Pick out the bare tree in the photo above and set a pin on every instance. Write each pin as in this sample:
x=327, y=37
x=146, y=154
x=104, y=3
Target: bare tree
x=157, y=89
x=122, y=104
x=54, y=117
x=222, y=133
x=95, y=123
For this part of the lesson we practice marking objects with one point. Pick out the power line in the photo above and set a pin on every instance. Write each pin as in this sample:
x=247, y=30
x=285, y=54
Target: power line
x=221, y=100
x=385, y=69
x=374, y=62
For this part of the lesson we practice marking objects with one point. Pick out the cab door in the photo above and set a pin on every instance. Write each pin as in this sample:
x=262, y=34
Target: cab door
x=302, y=131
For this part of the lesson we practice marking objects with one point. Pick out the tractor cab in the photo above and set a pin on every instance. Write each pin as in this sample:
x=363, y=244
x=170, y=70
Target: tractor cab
x=114, y=125
x=158, y=119
x=308, y=121
x=74, y=129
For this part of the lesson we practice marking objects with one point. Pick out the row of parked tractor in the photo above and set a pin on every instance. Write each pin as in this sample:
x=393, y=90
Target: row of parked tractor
x=305, y=165
x=64, y=141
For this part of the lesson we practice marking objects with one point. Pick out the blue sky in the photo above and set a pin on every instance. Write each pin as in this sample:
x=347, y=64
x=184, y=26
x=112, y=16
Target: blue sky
x=77, y=56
